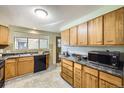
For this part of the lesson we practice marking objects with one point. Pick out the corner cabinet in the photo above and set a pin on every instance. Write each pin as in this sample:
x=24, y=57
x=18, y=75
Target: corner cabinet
x=95, y=31
x=65, y=37
x=73, y=36
x=90, y=78
x=4, y=35
x=82, y=34
x=114, y=27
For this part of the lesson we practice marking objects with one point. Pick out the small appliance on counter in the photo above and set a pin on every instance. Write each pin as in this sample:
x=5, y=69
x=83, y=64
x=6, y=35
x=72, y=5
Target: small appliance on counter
x=112, y=59
x=66, y=54
x=2, y=73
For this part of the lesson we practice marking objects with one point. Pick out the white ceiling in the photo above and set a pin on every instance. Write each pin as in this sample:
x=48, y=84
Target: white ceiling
x=58, y=15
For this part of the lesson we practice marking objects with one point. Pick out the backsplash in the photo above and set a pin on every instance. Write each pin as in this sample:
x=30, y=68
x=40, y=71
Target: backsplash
x=84, y=50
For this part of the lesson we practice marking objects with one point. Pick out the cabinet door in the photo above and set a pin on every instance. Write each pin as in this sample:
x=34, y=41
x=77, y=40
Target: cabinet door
x=10, y=68
x=90, y=81
x=82, y=34
x=65, y=35
x=4, y=35
x=91, y=33
x=98, y=30
x=25, y=67
x=104, y=84
x=95, y=31
x=109, y=28
x=119, y=26
x=73, y=36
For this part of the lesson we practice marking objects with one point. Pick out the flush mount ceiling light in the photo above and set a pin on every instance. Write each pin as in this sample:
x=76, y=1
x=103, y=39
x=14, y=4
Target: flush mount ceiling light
x=41, y=13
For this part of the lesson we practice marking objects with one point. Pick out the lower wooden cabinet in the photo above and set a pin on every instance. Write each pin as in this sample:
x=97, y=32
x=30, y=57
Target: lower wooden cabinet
x=77, y=75
x=25, y=65
x=47, y=61
x=90, y=78
x=81, y=76
x=109, y=81
x=10, y=68
x=67, y=71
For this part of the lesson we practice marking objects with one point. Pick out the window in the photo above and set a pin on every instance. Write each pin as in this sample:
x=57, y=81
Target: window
x=20, y=43
x=43, y=43
x=30, y=43
x=33, y=43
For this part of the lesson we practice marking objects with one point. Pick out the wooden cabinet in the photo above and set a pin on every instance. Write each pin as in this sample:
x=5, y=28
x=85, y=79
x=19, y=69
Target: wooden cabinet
x=114, y=27
x=10, y=68
x=4, y=35
x=47, y=61
x=95, y=31
x=90, y=78
x=82, y=34
x=65, y=37
x=67, y=71
x=25, y=65
x=109, y=81
x=77, y=75
x=73, y=36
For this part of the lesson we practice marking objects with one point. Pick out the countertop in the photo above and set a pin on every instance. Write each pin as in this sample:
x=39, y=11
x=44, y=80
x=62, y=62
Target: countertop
x=21, y=55
x=109, y=70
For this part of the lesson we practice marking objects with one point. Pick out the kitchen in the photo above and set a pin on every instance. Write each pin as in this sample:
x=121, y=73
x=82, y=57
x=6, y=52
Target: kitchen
x=90, y=54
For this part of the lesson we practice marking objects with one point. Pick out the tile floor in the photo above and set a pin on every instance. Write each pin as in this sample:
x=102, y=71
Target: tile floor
x=49, y=78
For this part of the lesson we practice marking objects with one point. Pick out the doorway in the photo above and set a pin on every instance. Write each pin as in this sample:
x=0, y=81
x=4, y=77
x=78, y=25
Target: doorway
x=58, y=49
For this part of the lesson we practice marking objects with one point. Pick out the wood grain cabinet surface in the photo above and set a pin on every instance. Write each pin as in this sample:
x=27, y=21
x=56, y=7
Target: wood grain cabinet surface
x=77, y=75
x=65, y=37
x=73, y=36
x=82, y=34
x=67, y=71
x=114, y=27
x=25, y=65
x=109, y=81
x=10, y=68
x=90, y=78
x=95, y=31
x=4, y=35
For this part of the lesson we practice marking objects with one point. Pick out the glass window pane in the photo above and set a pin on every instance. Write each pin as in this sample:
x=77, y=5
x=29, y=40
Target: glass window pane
x=20, y=43
x=33, y=43
x=43, y=43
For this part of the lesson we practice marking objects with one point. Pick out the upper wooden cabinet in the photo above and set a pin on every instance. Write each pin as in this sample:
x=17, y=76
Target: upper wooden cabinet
x=114, y=27
x=95, y=31
x=4, y=35
x=82, y=34
x=65, y=37
x=73, y=36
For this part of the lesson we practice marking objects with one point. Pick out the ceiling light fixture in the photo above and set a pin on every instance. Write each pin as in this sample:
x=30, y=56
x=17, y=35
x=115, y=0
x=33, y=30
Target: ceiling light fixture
x=41, y=13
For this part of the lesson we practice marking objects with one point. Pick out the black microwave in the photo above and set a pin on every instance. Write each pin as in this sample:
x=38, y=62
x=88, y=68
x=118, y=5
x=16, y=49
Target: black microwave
x=113, y=59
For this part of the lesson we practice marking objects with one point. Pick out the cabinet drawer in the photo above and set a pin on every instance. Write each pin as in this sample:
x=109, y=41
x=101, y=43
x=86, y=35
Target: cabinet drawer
x=26, y=58
x=77, y=84
x=111, y=79
x=67, y=62
x=77, y=71
x=77, y=79
x=10, y=60
x=91, y=71
x=67, y=72
x=67, y=78
x=77, y=66
x=67, y=66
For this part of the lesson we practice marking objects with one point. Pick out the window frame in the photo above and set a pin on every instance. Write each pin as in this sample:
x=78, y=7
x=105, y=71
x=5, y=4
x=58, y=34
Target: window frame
x=28, y=43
